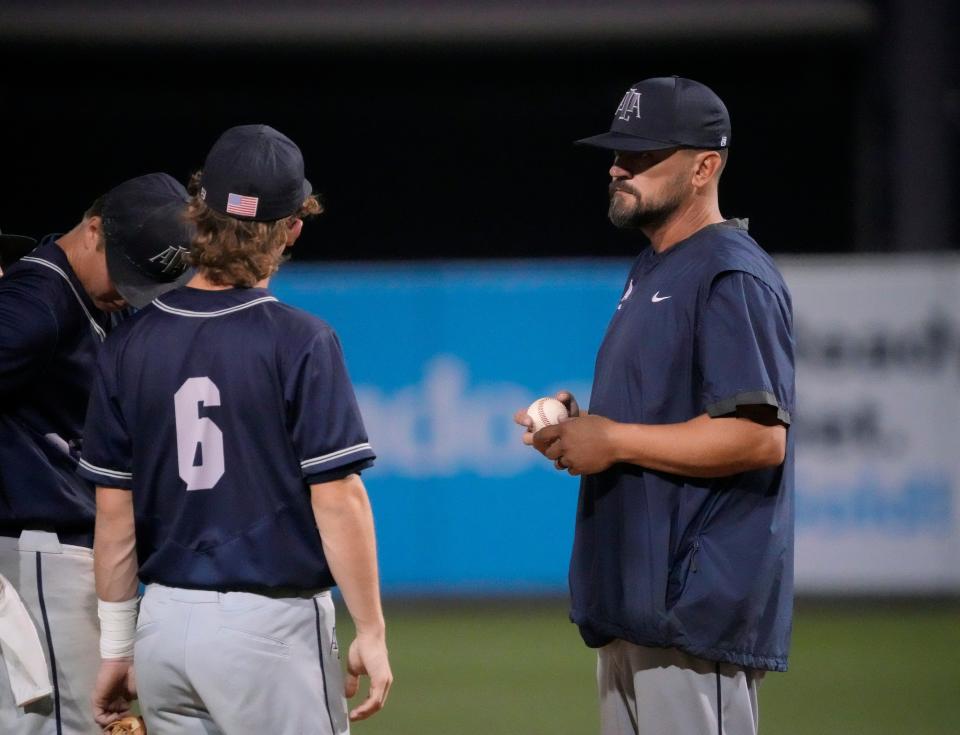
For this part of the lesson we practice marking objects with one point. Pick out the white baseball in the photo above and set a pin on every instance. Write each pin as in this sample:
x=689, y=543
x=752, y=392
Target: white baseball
x=546, y=412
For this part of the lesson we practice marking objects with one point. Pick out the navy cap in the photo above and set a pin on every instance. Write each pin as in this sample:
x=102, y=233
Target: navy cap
x=666, y=112
x=147, y=237
x=14, y=247
x=254, y=172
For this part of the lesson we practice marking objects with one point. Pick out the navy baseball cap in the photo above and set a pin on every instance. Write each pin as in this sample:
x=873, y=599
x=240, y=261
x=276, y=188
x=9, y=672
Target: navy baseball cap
x=147, y=237
x=14, y=247
x=254, y=172
x=666, y=112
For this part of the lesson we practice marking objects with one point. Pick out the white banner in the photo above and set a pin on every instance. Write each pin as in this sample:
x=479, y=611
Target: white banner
x=878, y=425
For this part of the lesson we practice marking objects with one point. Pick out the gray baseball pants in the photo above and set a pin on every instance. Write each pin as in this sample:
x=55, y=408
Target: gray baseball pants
x=664, y=691
x=237, y=663
x=55, y=582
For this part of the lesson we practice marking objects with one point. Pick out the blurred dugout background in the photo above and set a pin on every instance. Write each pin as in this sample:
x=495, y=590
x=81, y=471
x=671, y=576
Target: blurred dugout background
x=465, y=260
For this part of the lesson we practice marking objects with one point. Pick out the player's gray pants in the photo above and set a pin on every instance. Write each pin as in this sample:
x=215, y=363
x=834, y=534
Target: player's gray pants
x=663, y=691
x=238, y=663
x=55, y=582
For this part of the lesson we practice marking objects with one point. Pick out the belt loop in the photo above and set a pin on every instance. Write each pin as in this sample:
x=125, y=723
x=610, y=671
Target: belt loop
x=43, y=541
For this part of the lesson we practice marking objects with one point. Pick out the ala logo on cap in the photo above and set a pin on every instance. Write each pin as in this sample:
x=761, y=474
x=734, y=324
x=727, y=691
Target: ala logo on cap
x=171, y=259
x=629, y=105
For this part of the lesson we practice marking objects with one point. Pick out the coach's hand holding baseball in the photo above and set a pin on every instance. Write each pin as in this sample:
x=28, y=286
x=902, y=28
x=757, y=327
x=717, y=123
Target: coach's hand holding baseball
x=524, y=418
x=700, y=447
x=579, y=444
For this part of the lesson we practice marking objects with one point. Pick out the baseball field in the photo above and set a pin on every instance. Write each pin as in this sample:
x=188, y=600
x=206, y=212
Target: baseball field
x=492, y=668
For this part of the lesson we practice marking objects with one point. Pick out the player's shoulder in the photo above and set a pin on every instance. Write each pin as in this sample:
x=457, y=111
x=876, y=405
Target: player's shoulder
x=36, y=273
x=32, y=292
x=32, y=284
x=733, y=250
x=124, y=330
x=297, y=326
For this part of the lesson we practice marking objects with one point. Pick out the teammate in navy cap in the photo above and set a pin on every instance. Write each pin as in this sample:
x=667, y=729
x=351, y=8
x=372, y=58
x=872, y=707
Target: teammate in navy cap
x=57, y=304
x=232, y=419
x=682, y=566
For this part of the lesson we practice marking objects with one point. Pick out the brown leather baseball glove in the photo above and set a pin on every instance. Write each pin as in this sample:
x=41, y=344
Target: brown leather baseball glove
x=126, y=726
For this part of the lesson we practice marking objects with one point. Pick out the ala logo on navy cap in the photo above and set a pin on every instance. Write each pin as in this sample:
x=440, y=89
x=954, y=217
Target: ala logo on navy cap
x=629, y=105
x=171, y=259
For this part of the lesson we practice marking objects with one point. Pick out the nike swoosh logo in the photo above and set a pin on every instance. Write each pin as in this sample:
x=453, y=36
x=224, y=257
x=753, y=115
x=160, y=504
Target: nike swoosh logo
x=657, y=298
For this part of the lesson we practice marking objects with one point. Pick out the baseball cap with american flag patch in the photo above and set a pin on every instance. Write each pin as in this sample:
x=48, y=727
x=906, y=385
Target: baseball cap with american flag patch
x=254, y=172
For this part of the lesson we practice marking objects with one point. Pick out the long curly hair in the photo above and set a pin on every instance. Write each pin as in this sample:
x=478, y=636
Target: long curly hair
x=235, y=252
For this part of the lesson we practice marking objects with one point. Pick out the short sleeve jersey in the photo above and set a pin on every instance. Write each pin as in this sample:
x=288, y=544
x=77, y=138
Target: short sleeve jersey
x=704, y=565
x=218, y=409
x=50, y=332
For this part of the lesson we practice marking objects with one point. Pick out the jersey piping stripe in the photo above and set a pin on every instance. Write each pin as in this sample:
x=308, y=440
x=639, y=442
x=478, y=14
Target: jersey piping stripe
x=323, y=459
x=184, y=312
x=719, y=703
x=323, y=669
x=54, y=267
x=116, y=474
x=49, y=636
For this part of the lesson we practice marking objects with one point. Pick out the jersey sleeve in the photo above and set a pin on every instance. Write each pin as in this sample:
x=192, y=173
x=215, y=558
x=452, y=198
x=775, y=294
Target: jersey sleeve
x=745, y=347
x=326, y=427
x=28, y=338
x=107, y=458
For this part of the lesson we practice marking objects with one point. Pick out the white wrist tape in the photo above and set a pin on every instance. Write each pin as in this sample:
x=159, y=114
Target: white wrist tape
x=118, y=627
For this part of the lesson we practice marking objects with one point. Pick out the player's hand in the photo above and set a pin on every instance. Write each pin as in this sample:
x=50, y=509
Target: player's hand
x=115, y=688
x=581, y=446
x=368, y=656
x=523, y=419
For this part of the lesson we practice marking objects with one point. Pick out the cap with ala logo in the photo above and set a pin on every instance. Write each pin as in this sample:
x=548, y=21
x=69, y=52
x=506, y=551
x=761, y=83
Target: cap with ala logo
x=666, y=112
x=254, y=172
x=147, y=237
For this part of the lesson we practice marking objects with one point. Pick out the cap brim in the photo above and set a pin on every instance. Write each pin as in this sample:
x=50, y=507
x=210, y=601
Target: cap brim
x=137, y=289
x=14, y=247
x=622, y=142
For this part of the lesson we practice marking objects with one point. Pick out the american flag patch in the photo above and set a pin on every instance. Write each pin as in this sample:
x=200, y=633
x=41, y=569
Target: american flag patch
x=244, y=206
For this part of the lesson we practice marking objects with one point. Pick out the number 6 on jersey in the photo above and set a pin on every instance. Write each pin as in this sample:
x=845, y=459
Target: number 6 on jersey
x=199, y=439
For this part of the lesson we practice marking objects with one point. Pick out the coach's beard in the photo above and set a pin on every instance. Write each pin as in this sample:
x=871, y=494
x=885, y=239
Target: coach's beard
x=631, y=213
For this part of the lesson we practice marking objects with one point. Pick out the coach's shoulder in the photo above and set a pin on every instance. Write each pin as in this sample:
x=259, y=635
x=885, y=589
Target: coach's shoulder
x=734, y=249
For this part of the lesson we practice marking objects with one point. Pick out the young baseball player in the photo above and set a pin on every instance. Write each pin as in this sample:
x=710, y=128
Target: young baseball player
x=232, y=419
x=57, y=304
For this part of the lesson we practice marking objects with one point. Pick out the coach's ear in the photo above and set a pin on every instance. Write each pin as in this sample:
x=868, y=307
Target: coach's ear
x=294, y=228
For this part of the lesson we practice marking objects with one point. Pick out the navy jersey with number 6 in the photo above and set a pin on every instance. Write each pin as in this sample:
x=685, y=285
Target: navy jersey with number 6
x=219, y=409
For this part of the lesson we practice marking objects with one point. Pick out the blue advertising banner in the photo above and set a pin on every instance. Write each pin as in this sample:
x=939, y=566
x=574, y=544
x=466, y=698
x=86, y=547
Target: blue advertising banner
x=441, y=356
